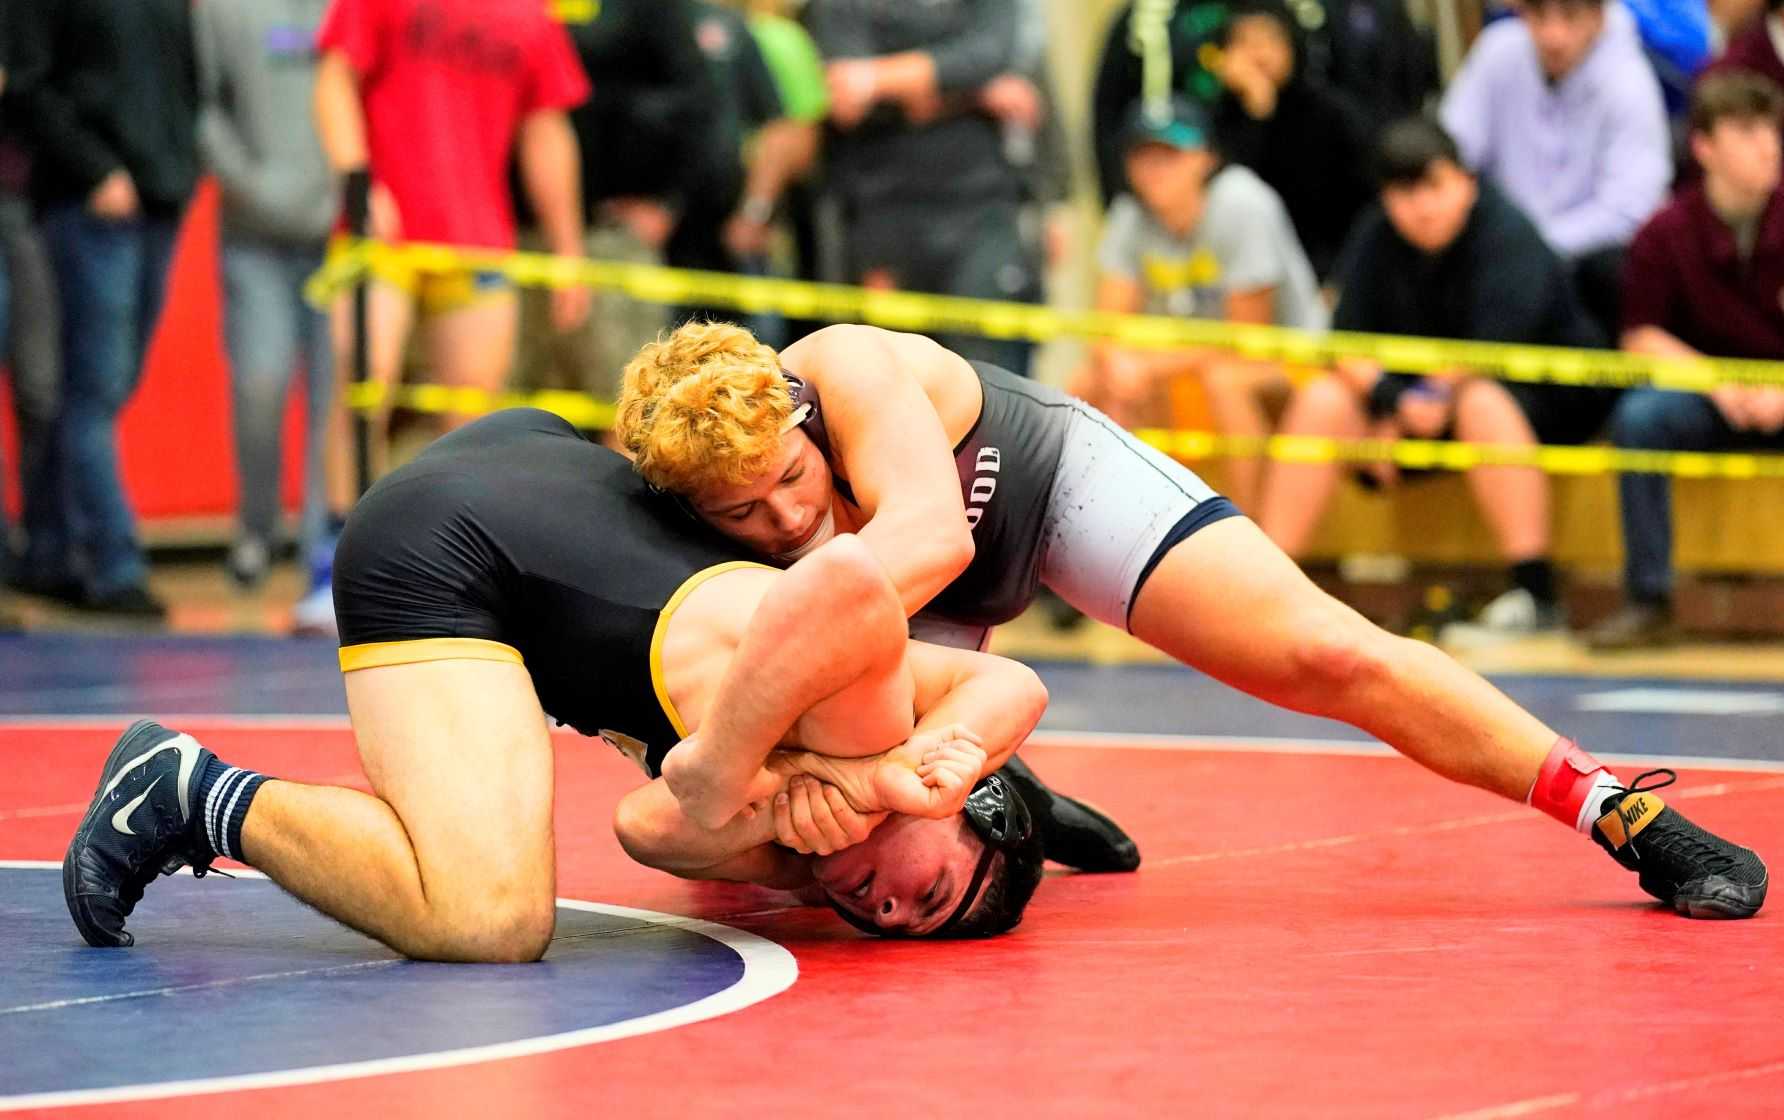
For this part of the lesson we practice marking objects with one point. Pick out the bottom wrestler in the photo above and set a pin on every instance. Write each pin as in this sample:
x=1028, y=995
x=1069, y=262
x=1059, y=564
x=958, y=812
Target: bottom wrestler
x=513, y=570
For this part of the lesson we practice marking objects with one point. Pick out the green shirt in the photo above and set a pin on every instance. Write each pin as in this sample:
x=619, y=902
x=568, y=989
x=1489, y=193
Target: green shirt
x=792, y=59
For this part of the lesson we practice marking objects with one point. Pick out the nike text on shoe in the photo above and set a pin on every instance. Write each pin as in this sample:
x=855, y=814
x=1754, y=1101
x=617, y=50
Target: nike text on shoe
x=143, y=822
x=1695, y=872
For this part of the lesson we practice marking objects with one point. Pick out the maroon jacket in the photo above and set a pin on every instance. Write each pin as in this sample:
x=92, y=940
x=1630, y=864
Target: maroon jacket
x=1684, y=275
x=1751, y=49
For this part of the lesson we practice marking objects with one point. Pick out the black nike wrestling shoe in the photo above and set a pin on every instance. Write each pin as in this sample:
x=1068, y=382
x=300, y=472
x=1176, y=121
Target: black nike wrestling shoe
x=1696, y=873
x=144, y=822
x=1072, y=832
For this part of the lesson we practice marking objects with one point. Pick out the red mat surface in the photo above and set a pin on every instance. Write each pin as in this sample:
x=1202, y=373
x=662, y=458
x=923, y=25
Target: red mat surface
x=1321, y=935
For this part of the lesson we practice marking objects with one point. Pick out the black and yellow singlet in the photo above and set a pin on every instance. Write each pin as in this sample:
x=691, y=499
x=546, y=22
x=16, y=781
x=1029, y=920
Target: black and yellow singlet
x=515, y=539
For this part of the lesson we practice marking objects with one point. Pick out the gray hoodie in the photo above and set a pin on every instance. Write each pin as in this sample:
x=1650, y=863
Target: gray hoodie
x=256, y=128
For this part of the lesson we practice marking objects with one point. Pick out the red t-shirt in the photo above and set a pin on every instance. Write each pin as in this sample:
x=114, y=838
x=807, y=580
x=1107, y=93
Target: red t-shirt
x=1684, y=275
x=445, y=85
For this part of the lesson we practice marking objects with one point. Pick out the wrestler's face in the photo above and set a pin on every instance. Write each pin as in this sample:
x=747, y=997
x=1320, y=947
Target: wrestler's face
x=907, y=876
x=779, y=513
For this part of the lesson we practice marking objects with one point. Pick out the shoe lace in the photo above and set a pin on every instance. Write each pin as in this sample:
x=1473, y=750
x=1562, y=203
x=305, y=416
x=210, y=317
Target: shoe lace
x=1637, y=787
x=1687, y=845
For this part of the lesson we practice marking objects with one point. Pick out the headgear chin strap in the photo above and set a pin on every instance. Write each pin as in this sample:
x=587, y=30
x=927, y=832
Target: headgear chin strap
x=807, y=414
x=1001, y=820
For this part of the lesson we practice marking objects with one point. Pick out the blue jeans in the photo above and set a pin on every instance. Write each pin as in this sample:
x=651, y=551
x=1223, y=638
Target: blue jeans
x=1660, y=420
x=269, y=330
x=32, y=350
x=112, y=280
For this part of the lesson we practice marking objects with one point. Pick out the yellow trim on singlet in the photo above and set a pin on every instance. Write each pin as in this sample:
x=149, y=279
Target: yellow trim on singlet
x=374, y=655
x=662, y=630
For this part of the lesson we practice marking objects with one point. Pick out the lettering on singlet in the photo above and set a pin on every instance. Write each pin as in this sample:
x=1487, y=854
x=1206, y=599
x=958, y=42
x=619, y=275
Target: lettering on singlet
x=985, y=470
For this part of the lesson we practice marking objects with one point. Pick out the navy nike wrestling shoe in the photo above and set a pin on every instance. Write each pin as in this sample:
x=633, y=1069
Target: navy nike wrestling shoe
x=1695, y=872
x=1072, y=832
x=144, y=822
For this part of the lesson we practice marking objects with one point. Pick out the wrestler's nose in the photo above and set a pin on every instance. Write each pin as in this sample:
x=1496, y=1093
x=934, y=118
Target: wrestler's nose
x=785, y=510
x=890, y=913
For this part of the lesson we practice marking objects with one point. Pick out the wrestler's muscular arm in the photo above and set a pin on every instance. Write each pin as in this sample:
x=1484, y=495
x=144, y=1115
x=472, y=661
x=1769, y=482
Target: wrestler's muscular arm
x=876, y=387
x=831, y=623
x=952, y=688
x=996, y=700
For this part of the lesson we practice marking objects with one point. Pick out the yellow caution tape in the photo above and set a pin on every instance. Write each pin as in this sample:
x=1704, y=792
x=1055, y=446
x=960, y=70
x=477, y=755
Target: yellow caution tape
x=588, y=412
x=349, y=260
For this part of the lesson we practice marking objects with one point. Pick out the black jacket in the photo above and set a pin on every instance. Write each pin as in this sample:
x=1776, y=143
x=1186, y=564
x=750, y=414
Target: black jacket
x=99, y=85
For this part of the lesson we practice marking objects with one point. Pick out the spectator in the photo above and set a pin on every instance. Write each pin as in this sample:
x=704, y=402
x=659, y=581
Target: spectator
x=1561, y=110
x=744, y=160
x=798, y=70
x=929, y=200
x=1034, y=142
x=638, y=135
x=107, y=92
x=1371, y=51
x=1448, y=256
x=29, y=326
x=1201, y=240
x=1301, y=137
x=1679, y=39
x=1154, y=49
x=1368, y=50
x=1703, y=277
x=256, y=75
x=1758, y=46
x=420, y=104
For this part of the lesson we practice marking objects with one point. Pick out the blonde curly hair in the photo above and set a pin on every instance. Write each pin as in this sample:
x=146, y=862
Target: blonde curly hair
x=703, y=405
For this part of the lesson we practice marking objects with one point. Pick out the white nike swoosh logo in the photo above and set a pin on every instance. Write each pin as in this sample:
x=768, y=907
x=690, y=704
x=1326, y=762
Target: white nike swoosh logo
x=121, y=818
x=188, y=748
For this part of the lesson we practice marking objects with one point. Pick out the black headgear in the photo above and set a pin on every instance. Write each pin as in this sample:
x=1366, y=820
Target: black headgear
x=1000, y=819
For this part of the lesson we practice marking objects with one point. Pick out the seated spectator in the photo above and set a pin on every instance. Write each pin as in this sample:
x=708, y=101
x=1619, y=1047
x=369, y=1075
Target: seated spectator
x=1302, y=137
x=1371, y=51
x=1152, y=50
x=1368, y=50
x=1561, y=110
x=1730, y=16
x=1202, y=240
x=1447, y=256
x=1679, y=39
x=1757, y=46
x=1703, y=277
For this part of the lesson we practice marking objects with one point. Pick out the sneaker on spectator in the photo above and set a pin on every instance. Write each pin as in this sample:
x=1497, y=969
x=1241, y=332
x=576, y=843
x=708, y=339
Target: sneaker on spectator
x=1635, y=626
x=249, y=561
x=314, y=614
x=126, y=602
x=1514, y=614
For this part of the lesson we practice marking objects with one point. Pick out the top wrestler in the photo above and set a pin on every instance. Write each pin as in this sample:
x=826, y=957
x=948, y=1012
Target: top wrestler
x=973, y=486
